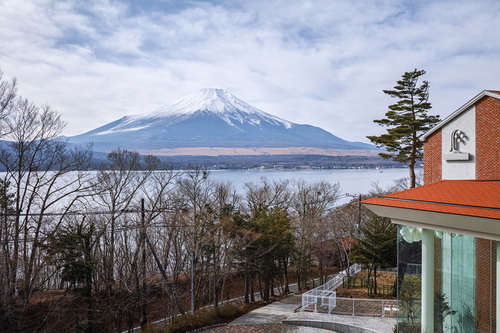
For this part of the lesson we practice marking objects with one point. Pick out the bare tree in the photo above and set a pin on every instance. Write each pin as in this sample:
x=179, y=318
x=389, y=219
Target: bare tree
x=159, y=198
x=220, y=242
x=196, y=193
x=268, y=194
x=37, y=165
x=310, y=203
x=115, y=187
x=341, y=224
x=8, y=94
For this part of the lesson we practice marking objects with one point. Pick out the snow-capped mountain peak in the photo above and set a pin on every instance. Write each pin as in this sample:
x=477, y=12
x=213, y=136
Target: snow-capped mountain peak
x=208, y=118
x=217, y=102
x=209, y=99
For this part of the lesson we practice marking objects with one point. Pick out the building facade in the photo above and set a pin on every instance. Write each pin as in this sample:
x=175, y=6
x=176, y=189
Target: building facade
x=449, y=229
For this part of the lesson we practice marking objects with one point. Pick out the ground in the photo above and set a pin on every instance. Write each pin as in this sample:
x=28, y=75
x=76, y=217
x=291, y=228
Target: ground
x=385, y=281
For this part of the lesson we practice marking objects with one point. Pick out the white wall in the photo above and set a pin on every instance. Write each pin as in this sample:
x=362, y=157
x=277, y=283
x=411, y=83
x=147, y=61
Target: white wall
x=460, y=169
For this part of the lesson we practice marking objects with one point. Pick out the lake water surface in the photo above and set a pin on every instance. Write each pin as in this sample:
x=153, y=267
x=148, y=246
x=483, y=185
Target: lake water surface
x=353, y=181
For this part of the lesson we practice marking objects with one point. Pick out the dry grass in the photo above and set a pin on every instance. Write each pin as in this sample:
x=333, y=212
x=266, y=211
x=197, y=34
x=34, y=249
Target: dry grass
x=386, y=279
x=210, y=316
x=205, y=318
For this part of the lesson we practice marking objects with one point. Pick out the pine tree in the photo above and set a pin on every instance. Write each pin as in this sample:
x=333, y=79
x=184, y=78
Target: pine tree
x=406, y=121
x=70, y=250
x=6, y=208
x=6, y=198
x=377, y=246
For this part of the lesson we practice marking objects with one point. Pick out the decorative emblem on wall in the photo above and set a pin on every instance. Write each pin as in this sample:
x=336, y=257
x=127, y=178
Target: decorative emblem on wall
x=458, y=138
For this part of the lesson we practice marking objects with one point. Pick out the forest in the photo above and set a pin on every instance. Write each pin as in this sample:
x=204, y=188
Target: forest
x=90, y=248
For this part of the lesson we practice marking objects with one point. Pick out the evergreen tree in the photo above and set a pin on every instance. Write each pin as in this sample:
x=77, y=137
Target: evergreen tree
x=275, y=242
x=377, y=247
x=6, y=235
x=406, y=121
x=71, y=251
x=6, y=198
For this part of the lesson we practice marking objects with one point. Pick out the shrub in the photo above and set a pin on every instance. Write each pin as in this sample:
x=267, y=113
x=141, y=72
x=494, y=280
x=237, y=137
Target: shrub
x=201, y=318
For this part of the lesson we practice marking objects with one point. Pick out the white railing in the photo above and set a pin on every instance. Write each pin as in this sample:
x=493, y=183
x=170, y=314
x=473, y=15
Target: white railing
x=366, y=307
x=325, y=295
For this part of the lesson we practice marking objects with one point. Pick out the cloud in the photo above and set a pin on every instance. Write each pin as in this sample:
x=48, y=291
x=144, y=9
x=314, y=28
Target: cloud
x=323, y=63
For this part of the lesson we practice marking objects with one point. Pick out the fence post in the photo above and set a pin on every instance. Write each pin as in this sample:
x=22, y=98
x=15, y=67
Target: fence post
x=353, y=307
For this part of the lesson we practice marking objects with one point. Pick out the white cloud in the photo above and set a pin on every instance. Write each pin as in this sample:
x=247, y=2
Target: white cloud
x=319, y=62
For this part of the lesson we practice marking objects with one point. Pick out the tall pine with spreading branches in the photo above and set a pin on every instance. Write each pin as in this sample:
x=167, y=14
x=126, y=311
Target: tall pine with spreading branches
x=406, y=121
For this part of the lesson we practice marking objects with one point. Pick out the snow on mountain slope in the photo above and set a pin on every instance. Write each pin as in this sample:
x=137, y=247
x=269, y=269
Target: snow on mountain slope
x=209, y=118
x=217, y=102
x=223, y=104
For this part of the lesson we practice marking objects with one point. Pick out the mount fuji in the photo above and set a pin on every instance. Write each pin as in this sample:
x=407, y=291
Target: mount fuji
x=213, y=119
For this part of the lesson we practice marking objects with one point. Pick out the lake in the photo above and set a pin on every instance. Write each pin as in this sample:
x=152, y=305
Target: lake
x=352, y=181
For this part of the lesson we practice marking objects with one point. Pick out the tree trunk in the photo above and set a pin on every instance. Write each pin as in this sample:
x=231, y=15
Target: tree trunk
x=369, y=271
x=252, y=293
x=260, y=287
x=216, y=295
x=320, y=271
x=411, y=169
x=285, y=264
x=144, y=316
x=298, y=279
x=411, y=164
x=266, y=289
x=111, y=258
x=247, y=287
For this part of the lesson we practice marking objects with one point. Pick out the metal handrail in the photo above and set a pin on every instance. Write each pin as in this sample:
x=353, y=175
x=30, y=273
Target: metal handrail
x=317, y=297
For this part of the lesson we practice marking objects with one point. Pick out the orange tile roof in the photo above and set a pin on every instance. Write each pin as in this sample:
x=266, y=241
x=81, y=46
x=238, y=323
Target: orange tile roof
x=495, y=91
x=462, y=197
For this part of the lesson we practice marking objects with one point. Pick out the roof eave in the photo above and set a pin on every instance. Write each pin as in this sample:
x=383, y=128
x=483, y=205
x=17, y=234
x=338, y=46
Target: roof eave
x=453, y=223
x=463, y=108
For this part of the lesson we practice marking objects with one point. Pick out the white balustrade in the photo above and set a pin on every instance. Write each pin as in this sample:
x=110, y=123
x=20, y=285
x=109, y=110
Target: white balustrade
x=325, y=295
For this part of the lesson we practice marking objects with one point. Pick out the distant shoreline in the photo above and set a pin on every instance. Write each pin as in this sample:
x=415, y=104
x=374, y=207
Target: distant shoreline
x=256, y=151
x=281, y=162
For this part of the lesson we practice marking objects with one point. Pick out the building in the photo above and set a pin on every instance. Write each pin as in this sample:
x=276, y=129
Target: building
x=449, y=229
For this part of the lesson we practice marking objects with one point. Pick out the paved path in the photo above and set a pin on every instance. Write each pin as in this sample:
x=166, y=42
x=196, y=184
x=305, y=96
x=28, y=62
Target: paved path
x=247, y=328
x=272, y=313
x=266, y=328
x=268, y=319
x=377, y=324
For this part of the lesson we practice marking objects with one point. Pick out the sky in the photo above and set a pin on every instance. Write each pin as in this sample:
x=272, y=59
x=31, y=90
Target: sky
x=323, y=63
